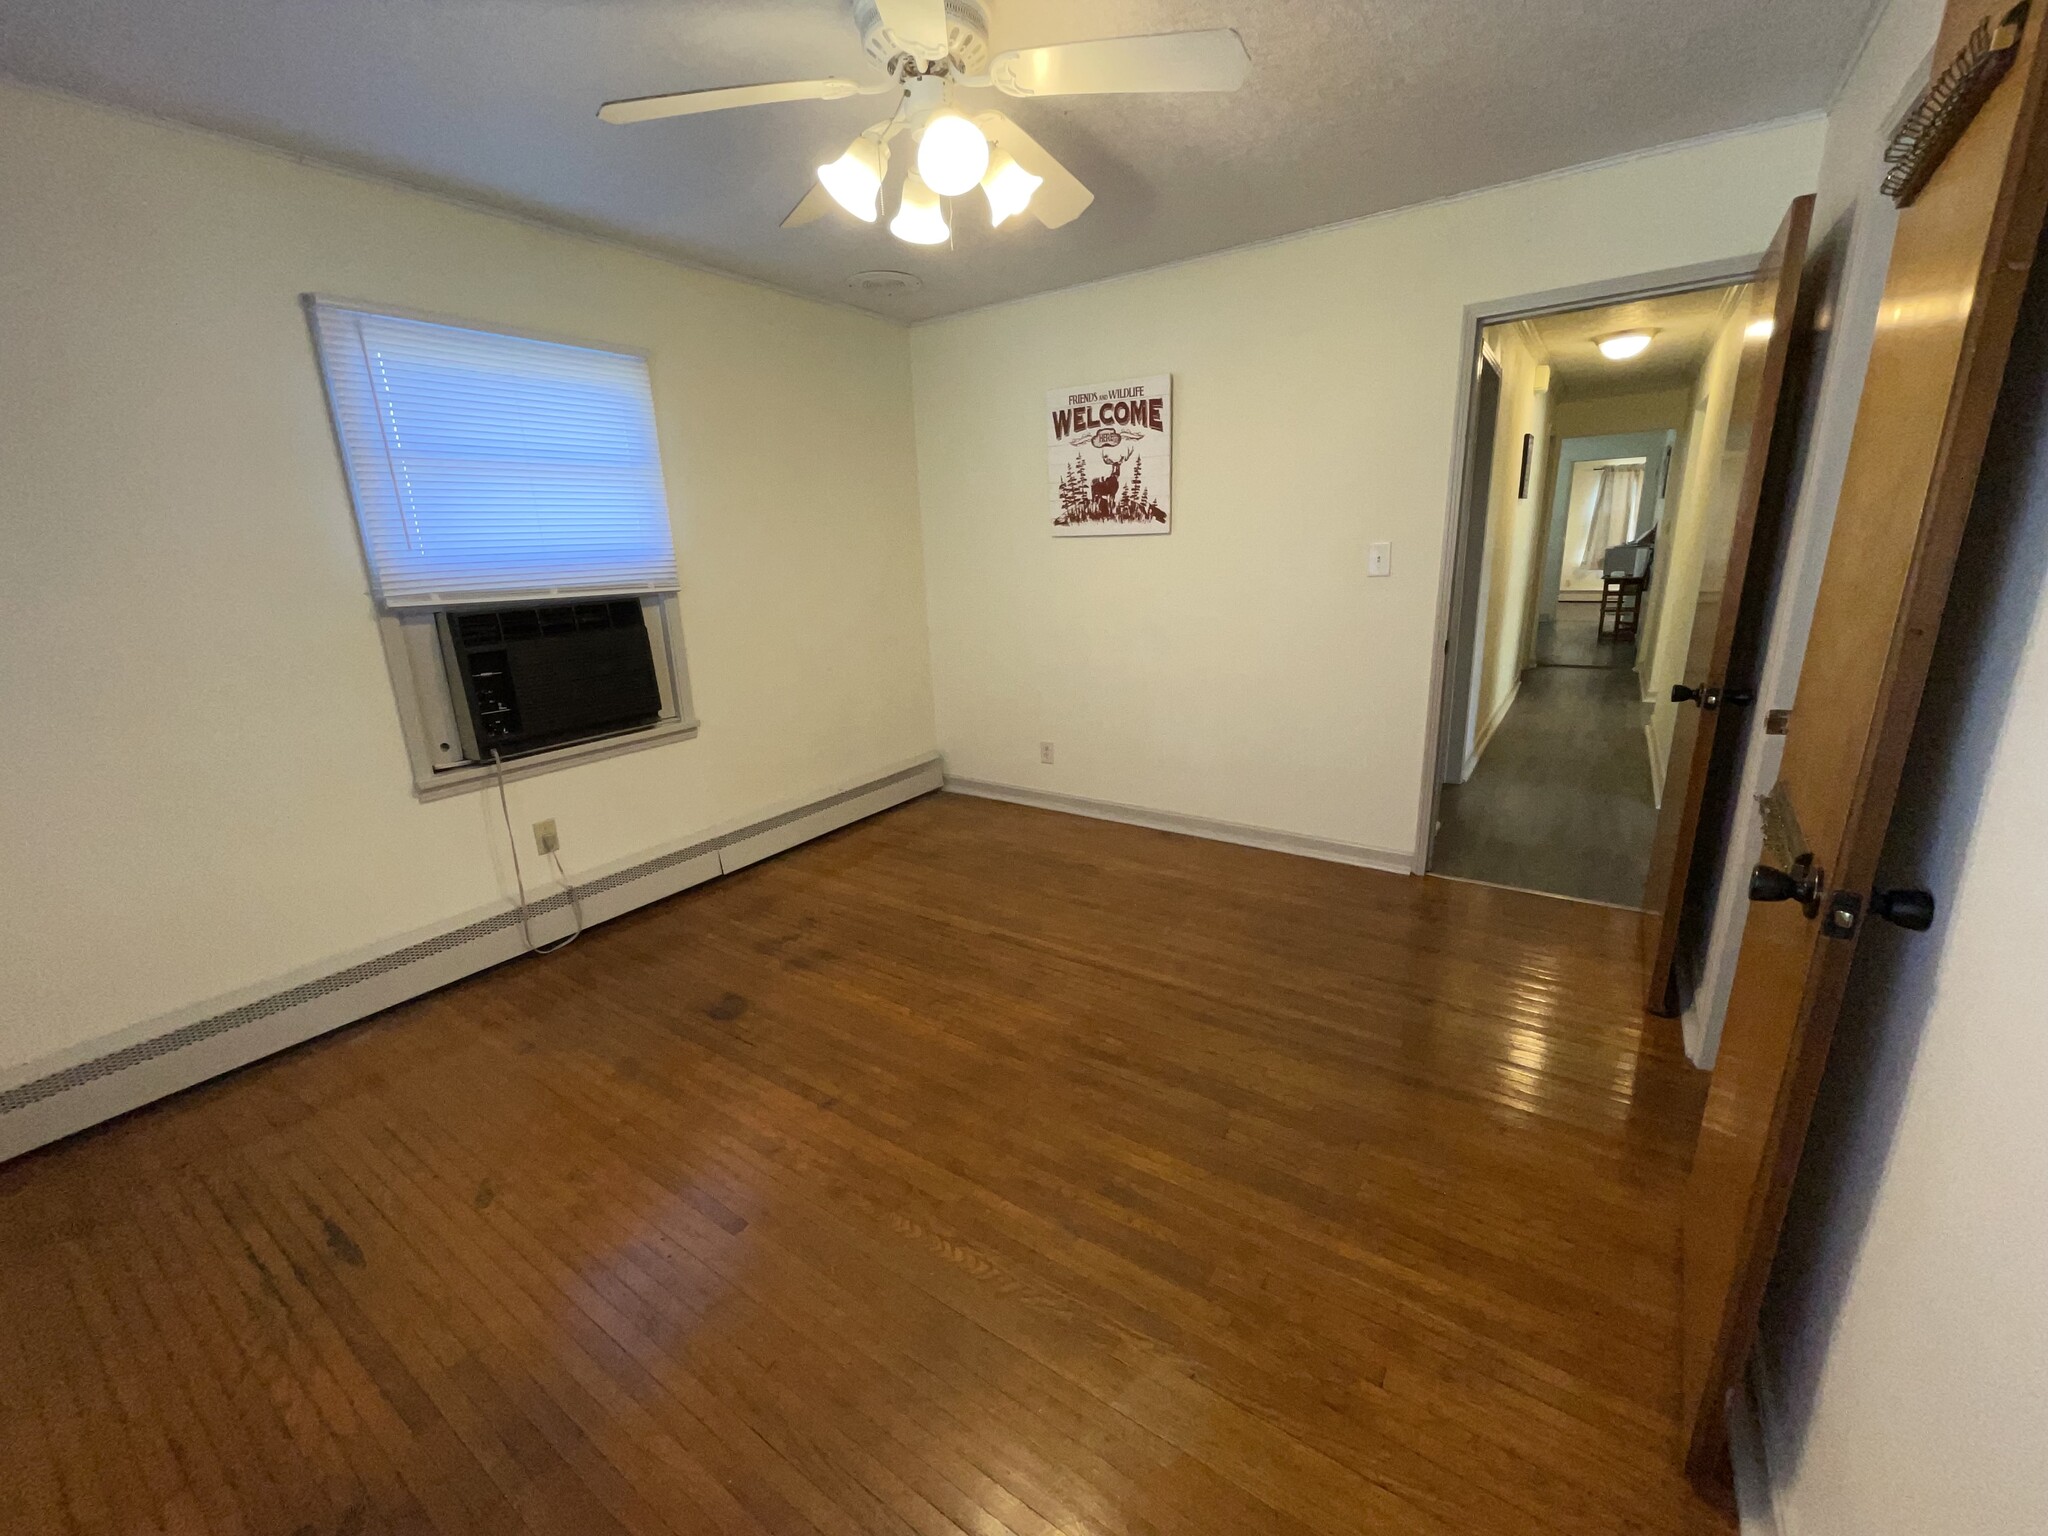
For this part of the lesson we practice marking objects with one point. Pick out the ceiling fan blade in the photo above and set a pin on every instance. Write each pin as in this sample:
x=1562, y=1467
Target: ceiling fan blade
x=1169, y=61
x=814, y=205
x=640, y=109
x=1062, y=199
x=918, y=25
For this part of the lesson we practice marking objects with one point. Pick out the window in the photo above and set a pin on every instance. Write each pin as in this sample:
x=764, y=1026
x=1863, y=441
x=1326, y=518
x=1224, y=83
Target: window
x=489, y=471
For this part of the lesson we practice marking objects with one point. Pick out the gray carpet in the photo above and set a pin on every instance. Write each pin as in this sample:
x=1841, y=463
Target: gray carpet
x=1561, y=798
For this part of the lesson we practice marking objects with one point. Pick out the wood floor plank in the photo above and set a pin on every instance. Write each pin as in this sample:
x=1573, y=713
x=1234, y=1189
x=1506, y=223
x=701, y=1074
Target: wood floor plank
x=975, y=1171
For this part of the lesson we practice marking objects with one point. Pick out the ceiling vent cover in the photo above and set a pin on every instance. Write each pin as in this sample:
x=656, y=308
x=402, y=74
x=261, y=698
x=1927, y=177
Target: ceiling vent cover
x=880, y=284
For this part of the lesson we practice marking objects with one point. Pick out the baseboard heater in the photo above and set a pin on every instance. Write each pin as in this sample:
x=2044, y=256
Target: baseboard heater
x=179, y=1050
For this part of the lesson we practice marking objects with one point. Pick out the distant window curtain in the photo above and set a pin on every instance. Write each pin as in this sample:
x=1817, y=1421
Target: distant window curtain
x=1617, y=500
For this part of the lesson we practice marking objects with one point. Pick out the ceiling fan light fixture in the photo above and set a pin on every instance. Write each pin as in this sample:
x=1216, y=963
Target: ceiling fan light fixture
x=952, y=154
x=919, y=218
x=855, y=178
x=1625, y=345
x=1009, y=187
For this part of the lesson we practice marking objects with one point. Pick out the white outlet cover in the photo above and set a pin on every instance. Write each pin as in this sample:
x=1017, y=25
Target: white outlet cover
x=1379, y=559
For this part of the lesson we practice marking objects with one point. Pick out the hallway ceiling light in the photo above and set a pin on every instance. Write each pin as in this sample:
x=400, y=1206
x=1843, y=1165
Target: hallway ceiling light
x=1627, y=344
x=1760, y=330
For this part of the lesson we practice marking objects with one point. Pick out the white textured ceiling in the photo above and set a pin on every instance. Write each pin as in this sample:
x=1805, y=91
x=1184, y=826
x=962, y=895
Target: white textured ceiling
x=1683, y=327
x=1354, y=106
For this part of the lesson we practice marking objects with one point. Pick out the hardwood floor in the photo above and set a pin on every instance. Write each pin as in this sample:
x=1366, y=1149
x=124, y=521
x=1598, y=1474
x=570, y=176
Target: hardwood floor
x=977, y=1170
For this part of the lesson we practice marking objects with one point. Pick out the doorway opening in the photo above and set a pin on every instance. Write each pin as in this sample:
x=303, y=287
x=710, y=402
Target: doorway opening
x=1587, y=537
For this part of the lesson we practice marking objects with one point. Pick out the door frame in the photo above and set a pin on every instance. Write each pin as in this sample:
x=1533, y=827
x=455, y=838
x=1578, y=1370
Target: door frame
x=1452, y=596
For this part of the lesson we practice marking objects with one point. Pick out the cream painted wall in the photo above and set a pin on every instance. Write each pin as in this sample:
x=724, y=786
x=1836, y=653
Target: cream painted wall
x=1514, y=528
x=1244, y=668
x=205, y=782
x=1692, y=549
x=1850, y=250
x=1654, y=410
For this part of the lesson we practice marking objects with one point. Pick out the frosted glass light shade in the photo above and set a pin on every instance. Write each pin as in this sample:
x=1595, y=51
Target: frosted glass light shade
x=952, y=154
x=1009, y=187
x=855, y=178
x=1628, y=344
x=919, y=218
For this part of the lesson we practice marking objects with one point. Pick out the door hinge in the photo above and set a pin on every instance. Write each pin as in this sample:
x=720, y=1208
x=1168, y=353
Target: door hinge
x=1777, y=722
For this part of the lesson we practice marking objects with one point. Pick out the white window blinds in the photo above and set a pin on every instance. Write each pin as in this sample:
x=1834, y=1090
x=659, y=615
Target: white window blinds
x=487, y=467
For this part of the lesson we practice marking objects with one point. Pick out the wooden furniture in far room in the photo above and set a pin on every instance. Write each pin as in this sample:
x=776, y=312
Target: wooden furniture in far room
x=1621, y=605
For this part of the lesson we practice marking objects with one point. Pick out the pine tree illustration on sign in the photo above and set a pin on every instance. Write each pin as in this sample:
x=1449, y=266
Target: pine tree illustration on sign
x=1110, y=457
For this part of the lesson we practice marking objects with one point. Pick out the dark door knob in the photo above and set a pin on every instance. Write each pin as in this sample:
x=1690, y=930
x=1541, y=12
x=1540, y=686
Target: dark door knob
x=1680, y=694
x=1802, y=884
x=1768, y=884
x=1905, y=908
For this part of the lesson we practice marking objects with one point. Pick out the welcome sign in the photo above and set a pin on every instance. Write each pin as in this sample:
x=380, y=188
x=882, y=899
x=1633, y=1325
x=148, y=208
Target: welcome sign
x=1110, y=451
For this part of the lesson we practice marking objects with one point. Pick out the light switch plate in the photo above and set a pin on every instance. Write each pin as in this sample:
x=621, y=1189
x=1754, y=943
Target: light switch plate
x=1379, y=559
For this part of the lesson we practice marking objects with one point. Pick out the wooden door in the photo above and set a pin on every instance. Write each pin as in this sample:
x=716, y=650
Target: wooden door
x=1959, y=266
x=1715, y=704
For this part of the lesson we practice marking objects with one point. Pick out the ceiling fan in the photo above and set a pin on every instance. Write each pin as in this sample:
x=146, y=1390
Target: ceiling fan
x=932, y=50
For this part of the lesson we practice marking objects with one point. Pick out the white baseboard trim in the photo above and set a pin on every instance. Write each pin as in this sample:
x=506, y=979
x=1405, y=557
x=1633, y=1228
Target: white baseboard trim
x=1193, y=826
x=1656, y=764
x=67, y=1092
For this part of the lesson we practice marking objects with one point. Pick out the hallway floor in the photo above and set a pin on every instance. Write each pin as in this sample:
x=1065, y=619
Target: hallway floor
x=1572, y=639
x=1561, y=799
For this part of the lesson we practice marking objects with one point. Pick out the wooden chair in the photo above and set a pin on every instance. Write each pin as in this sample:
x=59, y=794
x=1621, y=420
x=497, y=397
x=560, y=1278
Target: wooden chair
x=1624, y=578
x=1621, y=606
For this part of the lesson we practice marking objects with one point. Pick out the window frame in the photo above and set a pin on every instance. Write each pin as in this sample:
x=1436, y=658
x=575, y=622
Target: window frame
x=417, y=653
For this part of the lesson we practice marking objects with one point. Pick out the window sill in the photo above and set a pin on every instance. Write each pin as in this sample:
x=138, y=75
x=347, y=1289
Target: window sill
x=443, y=784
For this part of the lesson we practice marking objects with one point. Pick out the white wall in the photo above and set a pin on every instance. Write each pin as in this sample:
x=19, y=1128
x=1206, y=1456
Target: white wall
x=1243, y=668
x=1848, y=256
x=205, y=784
x=1605, y=415
x=1514, y=530
x=1692, y=540
x=1904, y=1346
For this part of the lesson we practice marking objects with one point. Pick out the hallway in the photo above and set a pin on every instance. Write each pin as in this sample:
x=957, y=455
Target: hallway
x=1560, y=801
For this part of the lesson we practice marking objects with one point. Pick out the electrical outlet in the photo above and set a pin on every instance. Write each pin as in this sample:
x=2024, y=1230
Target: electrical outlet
x=544, y=837
x=1045, y=751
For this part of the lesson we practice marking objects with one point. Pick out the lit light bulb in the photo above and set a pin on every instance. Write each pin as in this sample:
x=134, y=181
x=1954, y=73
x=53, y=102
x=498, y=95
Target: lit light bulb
x=1009, y=187
x=1628, y=344
x=919, y=218
x=952, y=153
x=1760, y=330
x=855, y=178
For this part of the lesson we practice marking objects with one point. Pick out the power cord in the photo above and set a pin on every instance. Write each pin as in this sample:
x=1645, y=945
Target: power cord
x=512, y=841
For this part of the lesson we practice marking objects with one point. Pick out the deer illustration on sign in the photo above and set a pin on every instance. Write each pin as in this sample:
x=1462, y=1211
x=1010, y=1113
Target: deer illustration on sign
x=1110, y=452
x=1105, y=489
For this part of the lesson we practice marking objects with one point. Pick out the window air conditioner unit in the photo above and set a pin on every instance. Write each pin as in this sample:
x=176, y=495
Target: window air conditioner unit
x=551, y=674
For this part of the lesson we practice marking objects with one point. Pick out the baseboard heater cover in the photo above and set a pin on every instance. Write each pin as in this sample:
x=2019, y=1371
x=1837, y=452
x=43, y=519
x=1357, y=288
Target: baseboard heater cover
x=58, y=1103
